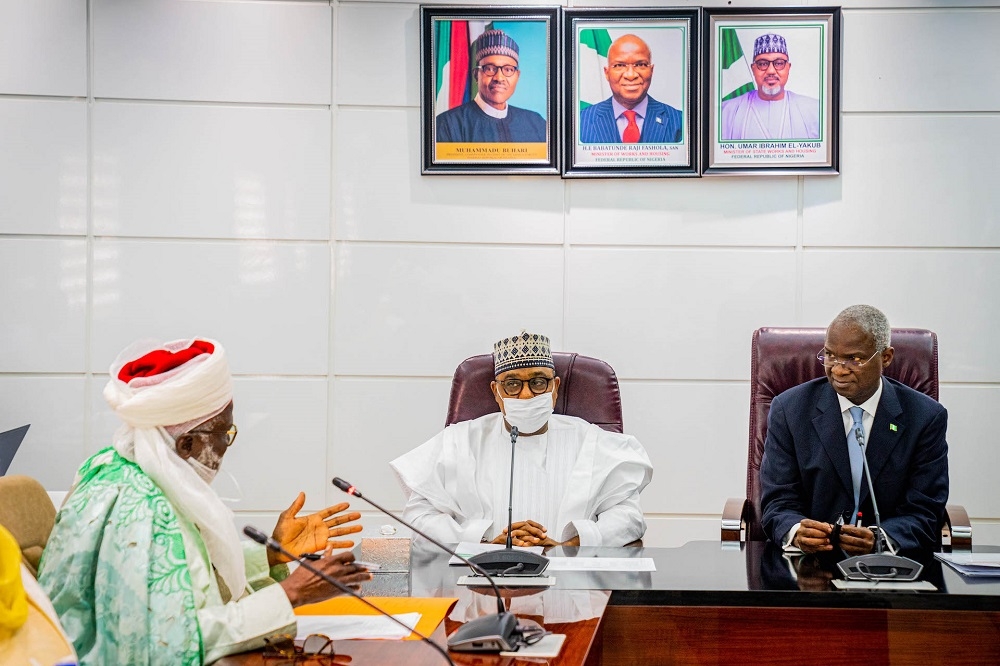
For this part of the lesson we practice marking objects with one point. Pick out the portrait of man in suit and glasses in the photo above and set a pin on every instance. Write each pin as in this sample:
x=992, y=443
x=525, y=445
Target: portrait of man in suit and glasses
x=630, y=97
x=630, y=114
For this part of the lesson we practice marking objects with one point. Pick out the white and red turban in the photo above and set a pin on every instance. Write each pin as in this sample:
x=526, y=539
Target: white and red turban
x=161, y=390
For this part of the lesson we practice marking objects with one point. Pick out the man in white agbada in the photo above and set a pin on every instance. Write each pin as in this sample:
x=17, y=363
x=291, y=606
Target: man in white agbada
x=145, y=565
x=575, y=484
x=770, y=111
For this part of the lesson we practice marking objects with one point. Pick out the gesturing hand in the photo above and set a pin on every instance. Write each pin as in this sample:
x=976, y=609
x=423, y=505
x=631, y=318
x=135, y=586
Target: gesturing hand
x=312, y=533
x=304, y=587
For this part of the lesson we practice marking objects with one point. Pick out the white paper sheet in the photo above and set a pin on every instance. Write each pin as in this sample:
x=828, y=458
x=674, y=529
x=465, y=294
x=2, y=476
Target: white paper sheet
x=344, y=627
x=601, y=564
x=547, y=648
x=972, y=564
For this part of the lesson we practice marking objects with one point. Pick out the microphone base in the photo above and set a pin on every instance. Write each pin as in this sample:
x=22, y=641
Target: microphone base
x=490, y=633
x=880, y=566
x=509, y=582
x=510, y=562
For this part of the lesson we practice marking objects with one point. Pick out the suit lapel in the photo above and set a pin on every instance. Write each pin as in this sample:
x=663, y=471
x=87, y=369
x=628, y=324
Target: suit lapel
x=829, y=426
x=652, y=126
x=886, y=433
x=606, y=120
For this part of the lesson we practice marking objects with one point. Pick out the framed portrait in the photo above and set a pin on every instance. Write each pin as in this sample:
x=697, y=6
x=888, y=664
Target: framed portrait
x=489, y=93
x=631, y=92
x=773, y=91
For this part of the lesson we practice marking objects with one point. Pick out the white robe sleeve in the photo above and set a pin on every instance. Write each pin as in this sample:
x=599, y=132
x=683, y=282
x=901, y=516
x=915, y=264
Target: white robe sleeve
x=239, y=625
x=441, y=526
x=242, y=625
x=617, y=526
x=613, y=469
x=440, y=501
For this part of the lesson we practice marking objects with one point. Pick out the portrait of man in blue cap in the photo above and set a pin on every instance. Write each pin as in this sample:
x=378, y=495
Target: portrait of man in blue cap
x=770, y=111
x=488, y=118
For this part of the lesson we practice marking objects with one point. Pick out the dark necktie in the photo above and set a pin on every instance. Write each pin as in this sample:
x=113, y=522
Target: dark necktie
x=631, y=134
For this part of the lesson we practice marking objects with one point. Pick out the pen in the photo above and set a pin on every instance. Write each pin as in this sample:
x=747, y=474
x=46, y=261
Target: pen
x=857, y=523
x=371, y=566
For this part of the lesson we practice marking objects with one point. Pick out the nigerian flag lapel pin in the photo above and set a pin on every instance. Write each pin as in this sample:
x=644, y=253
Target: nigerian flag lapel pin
x=892, y=427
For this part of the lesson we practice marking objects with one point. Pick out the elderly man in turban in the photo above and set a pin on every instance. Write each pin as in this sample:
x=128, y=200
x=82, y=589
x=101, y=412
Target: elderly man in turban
x=488, y=118
x=145, y=565
x=770, y=111
x=576, y=484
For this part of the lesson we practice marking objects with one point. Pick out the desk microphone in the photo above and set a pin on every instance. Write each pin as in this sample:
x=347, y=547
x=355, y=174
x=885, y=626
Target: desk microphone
x=878, y=565
x=490, y=633
x=273, y=544
x=510, y=562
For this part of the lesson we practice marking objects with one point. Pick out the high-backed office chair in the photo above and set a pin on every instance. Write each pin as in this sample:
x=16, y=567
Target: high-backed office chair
x=785, y=357
x=588, y=389
x=28, y=513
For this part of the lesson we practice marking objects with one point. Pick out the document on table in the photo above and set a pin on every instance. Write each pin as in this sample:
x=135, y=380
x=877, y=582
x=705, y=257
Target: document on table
x=344, y=627
x=468, y=549
x=972, y=564
x=431, y=611
x=601, y=564
x=547, y=648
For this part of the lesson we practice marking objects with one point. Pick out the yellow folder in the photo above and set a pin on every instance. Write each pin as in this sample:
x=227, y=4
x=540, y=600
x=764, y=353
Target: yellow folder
x=432, y=609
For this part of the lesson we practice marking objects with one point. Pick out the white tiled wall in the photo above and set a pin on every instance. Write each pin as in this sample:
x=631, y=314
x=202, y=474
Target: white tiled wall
x=268, y=302
x=175, y=170
x=43, y=166
x=43, y=47
x=249, y=170
x=265, y=52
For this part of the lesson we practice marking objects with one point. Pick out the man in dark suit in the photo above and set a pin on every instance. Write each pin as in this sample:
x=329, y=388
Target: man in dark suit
x=811, y=473
x=630, y=115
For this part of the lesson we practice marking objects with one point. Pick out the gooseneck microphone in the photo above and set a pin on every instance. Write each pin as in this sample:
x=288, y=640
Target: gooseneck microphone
x=878, y=565
x=490, y=633
x=510, y=562
x=510, y=491
x=273, y=544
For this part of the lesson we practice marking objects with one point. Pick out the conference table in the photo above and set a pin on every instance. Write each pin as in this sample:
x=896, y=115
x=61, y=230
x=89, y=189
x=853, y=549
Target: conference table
x=709, y=603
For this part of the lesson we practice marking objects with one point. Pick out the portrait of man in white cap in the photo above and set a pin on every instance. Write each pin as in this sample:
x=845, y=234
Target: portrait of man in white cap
x=488, y=117
x=771, y=111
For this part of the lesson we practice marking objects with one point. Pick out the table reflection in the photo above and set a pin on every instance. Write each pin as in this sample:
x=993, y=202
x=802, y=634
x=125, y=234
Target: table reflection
x=545, y=606
x=770, y=568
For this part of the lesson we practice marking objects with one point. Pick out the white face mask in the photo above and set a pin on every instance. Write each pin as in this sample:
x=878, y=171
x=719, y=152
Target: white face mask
x=528, y=415
x=206, y=473
x=232, y=493
x=208, y=468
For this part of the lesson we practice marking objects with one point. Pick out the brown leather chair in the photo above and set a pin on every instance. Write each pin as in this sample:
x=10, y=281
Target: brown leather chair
x=588, y=389
x=785, y=357
x=28, y=513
